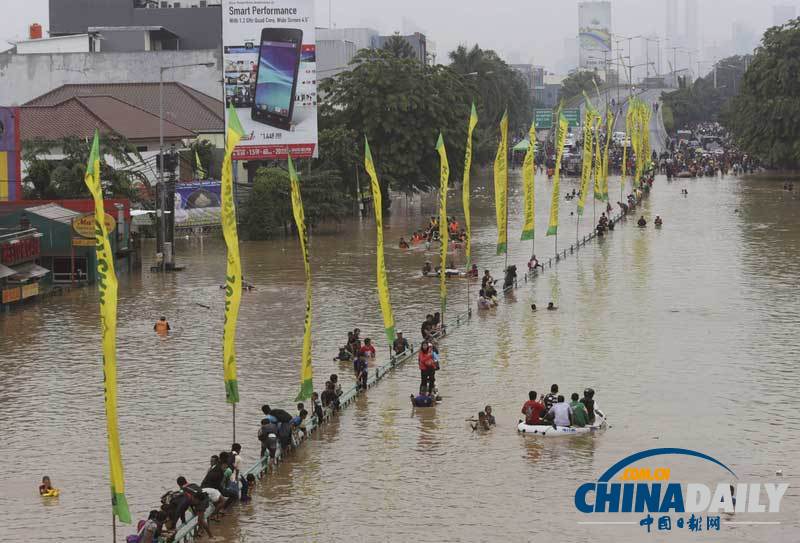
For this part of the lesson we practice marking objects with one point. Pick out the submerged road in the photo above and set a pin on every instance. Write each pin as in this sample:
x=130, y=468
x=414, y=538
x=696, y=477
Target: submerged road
x=685, y=333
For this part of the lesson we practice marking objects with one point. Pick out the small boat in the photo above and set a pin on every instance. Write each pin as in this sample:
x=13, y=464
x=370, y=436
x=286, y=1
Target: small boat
x=559, y=431
x=450, y=273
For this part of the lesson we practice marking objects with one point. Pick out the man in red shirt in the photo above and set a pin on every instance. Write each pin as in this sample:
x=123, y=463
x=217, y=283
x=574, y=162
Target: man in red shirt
x=533, y=410
x=367, y=349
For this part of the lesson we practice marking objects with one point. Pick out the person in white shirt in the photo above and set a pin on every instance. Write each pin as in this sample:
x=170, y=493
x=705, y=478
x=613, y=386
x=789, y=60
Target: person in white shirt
x=561, y=413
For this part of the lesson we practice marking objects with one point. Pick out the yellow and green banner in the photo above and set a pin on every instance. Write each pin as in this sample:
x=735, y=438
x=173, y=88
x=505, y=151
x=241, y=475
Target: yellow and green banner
x=107, y=282
x=198, y=167
x=307, y=369
x=465, y=189
x=586, y=168
x=609, y=130
x=444, y=231
x=233, y=274
x=598, y=162
x=501, y=187
x=383, y=281
x=625, y=142
x=529, y=186
x=561, y=136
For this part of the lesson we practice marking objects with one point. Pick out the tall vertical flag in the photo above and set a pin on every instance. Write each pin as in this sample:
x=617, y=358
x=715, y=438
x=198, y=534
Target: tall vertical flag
x=561, y=136
x=529, y=186
x=233, y=273
x=444, y=233
x=107, y=281
x=501, y=187
x=306, y=369
x=465, y=189
x=586, y=169
x=609, y=129
x=625, y=144
x=198, y=166
x=383, y=281
x=598, y=162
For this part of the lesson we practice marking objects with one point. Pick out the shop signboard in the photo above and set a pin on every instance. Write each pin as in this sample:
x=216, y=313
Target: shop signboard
x=83, y=242
x=11, y=295
x=84, y=226
x=30, y=290
x=19, y=250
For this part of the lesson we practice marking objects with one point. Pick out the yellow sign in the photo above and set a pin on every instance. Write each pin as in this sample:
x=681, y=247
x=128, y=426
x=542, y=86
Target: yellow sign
x=30, y=290
x=10, y=295
x=84, y=226
x=83, y=242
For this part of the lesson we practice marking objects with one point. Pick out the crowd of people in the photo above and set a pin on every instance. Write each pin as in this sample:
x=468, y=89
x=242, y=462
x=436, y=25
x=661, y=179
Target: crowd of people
x=430, y=233
x=705, y=150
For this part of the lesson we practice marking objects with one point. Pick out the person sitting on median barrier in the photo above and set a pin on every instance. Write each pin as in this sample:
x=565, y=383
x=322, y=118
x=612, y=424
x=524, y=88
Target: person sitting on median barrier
x=337, y=388
x=316, y=407
x=268, y=436
x=361, y=371
x=400, y=344
x=199, y=500
x=423, y=399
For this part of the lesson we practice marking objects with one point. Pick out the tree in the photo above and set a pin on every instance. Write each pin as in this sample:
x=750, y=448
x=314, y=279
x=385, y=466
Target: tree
x=765, y=115
x=400, y=105
x=579, y=82
x=268, y=209
x=700, y=101
x=65, y=178
x=497, y=88
x=399, y=47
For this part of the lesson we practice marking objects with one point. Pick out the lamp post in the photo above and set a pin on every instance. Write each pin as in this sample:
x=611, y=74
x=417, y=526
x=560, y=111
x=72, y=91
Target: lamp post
x=163, y=195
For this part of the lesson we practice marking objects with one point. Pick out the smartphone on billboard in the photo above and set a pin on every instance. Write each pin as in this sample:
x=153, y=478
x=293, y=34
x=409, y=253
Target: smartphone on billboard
x=276, y=76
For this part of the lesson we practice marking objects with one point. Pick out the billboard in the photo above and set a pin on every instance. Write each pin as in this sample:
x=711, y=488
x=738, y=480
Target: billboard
x=270, y=76
x=197, y=203
x=594, y=26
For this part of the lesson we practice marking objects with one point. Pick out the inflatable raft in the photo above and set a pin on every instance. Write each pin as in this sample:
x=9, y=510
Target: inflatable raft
x=560, y=431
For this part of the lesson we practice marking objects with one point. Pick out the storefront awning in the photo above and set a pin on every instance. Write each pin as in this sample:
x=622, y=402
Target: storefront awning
x=5, y=271
x=28, y=271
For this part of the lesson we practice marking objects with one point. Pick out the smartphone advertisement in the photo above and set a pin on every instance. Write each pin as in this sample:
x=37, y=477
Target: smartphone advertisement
x=271, y=76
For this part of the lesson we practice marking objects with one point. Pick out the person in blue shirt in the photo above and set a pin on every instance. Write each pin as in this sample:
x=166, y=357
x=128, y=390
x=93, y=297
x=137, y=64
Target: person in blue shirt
x=423, y=400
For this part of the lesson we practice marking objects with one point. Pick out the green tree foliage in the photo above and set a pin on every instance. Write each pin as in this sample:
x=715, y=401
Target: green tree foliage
x=497, y=87
x=577, y=83
x=765, y=115
x=267, y=211
x=64, y=178
x=399, y=47
x=400, y=105
x=700, y=101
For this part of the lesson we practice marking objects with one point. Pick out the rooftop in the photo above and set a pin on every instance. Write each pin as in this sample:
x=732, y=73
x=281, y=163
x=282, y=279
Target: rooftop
x=80, y=116
x=183, y=105
x=54, y=212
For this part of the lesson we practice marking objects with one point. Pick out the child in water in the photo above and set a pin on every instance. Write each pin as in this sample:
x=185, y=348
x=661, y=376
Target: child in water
x=46, y=488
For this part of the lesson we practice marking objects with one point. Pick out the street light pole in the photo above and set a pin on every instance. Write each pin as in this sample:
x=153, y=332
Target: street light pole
x=163, y=195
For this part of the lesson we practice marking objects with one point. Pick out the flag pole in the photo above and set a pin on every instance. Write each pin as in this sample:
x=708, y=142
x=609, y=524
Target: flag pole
x=113, y=527
x=234, y=422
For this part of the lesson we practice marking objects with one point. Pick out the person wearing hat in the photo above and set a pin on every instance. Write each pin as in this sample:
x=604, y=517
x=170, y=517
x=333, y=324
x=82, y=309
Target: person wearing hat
x=400, y=344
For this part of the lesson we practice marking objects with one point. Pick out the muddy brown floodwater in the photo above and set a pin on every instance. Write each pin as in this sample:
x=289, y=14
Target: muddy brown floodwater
x=687, y=333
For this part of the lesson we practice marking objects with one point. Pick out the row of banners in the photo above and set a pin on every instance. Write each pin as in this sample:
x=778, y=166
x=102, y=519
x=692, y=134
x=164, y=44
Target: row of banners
x=637, y=122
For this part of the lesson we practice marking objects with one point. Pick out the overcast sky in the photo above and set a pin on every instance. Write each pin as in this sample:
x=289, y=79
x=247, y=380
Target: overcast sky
x=521, y=30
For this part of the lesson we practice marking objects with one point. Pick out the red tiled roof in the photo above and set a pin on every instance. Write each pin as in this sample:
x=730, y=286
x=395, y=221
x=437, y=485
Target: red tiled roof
x=183, y=105
x=80, y=117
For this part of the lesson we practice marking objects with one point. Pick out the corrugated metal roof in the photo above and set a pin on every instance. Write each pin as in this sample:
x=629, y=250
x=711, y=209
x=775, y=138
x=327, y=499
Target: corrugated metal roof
x=183, y=105
x=54, y=212
x=81, y=116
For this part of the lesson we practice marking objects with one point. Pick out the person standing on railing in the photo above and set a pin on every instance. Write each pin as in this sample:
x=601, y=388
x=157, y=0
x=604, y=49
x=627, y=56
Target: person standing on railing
x=427, y=368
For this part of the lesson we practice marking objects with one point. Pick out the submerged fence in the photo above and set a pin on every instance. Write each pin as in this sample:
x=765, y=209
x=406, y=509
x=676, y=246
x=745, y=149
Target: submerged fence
x=264, y=466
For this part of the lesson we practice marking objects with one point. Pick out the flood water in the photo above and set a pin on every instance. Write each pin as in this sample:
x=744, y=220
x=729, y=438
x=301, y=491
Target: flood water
x=688, y=334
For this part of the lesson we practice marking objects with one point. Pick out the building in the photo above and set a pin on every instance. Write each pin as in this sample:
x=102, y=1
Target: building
x=551, y=90
x=184, y=25
x=334, y=56
x=526, y=72
x=782, y=14
x=743, y=38
x=361, y=38
x=671, y=20
x=46, y=244
x=10, y=176
x=417, y=41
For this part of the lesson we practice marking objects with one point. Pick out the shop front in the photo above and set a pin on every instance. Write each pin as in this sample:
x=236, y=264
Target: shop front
x=20, y=272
